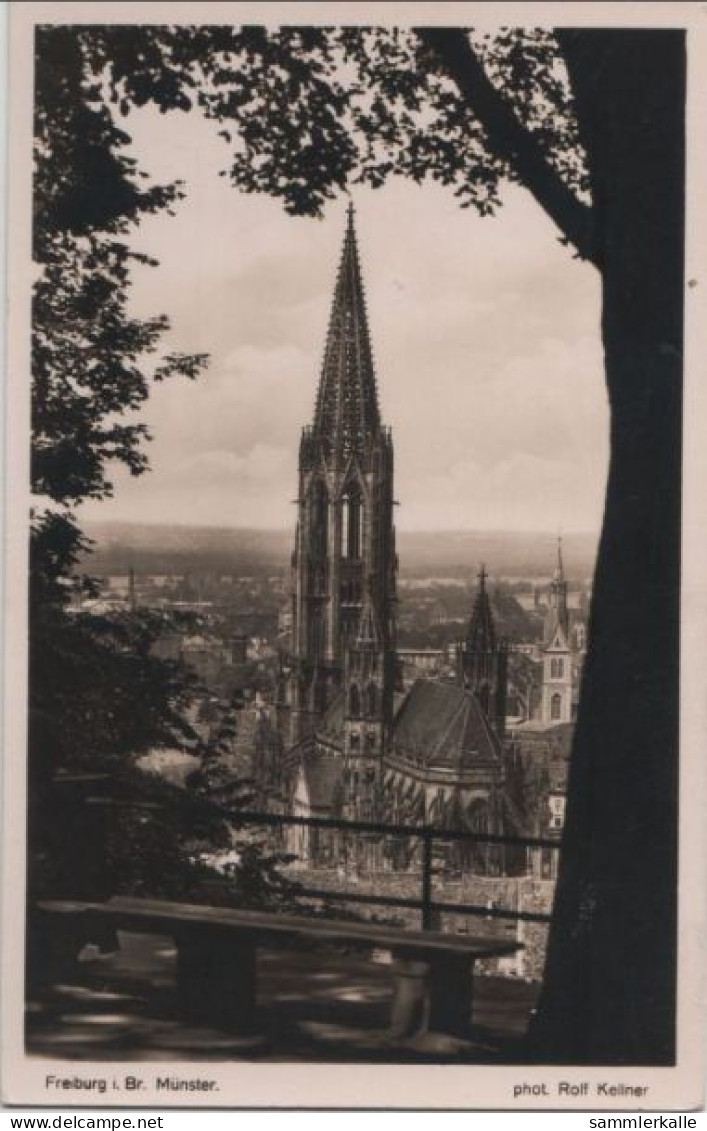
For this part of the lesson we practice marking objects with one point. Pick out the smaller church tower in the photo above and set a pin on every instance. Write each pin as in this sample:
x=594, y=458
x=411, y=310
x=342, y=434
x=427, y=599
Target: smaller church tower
x=558, y=612
x=483, y=660
x=556, y=704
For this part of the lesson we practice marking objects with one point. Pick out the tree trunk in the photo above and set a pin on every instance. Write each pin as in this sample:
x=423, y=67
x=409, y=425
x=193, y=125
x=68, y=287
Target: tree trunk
x=609, y=989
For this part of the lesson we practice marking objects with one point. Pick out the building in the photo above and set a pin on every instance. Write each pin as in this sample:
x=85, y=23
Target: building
x=357, y=745
x=444, y=763
x=344, y=562
x=537, y=765
x=544, y=675
x=557, y=700
x=483, y=660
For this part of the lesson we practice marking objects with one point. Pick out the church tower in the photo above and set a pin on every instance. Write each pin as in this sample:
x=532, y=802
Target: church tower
x=557, y=612
x=556, y=704
x=483, y=660
x=344, y=560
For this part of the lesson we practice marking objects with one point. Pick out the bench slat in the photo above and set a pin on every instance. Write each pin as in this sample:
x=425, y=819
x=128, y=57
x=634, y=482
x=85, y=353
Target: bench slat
x=164, y=916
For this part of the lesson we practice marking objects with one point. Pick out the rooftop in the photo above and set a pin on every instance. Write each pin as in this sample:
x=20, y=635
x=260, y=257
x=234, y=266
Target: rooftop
x=443, y=723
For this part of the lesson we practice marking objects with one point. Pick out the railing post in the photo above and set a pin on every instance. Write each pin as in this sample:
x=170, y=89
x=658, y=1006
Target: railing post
x=426, y=882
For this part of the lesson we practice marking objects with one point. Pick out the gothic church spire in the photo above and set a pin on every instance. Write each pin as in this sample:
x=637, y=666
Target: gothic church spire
x=559, y=574
x=481, y=637
x=344, y=561
x=558, y=613
x=346, y=412
x=483, y=659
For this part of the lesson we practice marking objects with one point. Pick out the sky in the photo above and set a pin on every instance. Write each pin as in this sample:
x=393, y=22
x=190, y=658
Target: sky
x=485, y=335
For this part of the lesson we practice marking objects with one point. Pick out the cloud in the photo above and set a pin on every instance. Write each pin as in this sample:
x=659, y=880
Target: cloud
x=262, y=464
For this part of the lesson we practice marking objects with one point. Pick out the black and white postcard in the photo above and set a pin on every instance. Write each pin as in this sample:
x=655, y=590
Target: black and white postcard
x=355, y=556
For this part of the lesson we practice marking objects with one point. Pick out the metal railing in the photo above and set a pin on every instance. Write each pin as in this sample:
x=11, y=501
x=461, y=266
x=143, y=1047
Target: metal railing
x=427, y=905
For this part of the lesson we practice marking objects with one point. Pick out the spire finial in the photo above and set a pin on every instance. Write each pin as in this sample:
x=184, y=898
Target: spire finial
x=482, y=575
x=350, y=225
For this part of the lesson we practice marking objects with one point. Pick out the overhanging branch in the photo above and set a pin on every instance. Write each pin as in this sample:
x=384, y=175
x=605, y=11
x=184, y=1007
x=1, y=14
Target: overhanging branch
x=509, y=139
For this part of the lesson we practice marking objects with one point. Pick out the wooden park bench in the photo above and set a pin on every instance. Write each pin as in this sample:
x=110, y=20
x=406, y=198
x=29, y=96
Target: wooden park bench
x=217, y=950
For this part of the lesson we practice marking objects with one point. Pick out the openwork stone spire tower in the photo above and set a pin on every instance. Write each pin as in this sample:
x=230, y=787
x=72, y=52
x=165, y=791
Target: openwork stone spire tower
x=346, y=413
x=344, y=557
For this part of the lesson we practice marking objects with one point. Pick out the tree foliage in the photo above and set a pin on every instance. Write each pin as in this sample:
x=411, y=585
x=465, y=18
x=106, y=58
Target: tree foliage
x=89, y=354
x=98, y=695
x=309, y=112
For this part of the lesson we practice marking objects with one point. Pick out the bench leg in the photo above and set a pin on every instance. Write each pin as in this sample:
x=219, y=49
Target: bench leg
x=410, y=1007
x=54, y=943
x=216, y=981
x=451, y=995
x=432, y=995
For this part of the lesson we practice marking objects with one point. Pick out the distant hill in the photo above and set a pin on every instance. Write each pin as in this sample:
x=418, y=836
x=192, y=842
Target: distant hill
x=186, y=549
x=505, y=554
x=243, y=552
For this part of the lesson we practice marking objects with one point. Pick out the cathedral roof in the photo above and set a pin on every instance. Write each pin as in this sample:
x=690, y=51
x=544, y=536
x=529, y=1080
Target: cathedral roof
x=346, y=412
x=443, y=724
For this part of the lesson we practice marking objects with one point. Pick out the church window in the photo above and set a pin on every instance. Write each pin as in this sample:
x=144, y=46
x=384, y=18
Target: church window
x=556, y=707
x=316, y=632
x=354, y=702
x=354, y=743
x=371, y=740
x=319, y=520
x=372, y=699
x=352, y=524
x=320, y=696
x=478, y=817
x=557, y=668
x=484, y=696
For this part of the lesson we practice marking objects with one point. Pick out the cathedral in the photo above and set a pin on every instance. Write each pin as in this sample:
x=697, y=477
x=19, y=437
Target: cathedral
x=355, y=745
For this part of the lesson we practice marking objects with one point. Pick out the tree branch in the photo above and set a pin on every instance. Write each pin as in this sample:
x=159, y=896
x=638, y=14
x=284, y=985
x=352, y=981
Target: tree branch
x=510, y=140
